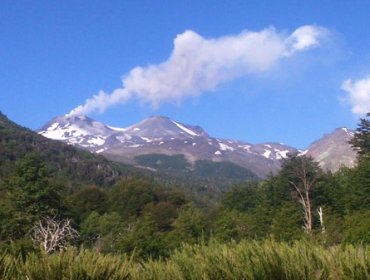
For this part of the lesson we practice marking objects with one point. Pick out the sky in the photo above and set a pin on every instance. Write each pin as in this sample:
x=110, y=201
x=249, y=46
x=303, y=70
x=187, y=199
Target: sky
x=256, y=71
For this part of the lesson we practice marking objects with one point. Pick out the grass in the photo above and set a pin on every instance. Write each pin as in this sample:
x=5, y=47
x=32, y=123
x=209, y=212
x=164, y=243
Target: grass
x=245, y=260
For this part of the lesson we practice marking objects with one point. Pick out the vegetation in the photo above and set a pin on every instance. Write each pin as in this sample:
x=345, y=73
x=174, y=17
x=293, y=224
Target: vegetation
x=244, y=260
x=70, y=165
x=302, y=223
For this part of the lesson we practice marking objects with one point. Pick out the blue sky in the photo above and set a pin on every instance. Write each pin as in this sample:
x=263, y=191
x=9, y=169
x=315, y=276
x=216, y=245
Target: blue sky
x=54, y=55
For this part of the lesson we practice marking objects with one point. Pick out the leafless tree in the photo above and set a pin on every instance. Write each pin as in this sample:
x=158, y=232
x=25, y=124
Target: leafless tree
x=321, y=216
x=53, y=235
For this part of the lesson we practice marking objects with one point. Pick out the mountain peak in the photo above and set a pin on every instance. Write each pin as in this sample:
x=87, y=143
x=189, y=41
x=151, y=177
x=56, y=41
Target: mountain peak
x=76, y=129
x=333, y=149
x=164, y=127
x=162, y=135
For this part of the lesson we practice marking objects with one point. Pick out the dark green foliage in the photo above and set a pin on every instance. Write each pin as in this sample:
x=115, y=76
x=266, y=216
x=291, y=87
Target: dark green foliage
x=87, y=200
x=361, y=139
x=31, y=196
x=128, y=198
x=67, y=162
x=357, y=227
x=359, y=185
x=190, y=225
x=203, y=177
x=232, y=225
x=228, y=170
x=145, y=240
x=287, y=223
x=241, y=197
x=103, y=231
x=164, y=162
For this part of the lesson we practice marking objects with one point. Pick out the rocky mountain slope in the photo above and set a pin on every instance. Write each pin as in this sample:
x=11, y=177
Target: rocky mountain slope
x=161, y=135
x=333, y=151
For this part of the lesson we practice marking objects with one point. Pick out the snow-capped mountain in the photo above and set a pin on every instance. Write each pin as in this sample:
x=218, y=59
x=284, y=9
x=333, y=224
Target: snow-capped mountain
x=165, y=136
x=162, y=135
x=77, y=130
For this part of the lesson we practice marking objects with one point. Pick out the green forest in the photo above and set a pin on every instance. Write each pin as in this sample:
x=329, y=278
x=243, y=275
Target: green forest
x=68, y=214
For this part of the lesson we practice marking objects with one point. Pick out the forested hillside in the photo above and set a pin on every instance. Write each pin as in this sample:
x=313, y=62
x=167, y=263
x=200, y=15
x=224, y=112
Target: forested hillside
x=147, y=218
x=65, y=161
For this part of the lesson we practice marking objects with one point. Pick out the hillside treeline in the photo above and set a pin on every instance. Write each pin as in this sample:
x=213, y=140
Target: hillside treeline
x=144, y=219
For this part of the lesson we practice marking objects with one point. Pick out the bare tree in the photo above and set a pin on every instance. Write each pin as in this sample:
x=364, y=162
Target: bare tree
x=321, y=216
x=53, y=235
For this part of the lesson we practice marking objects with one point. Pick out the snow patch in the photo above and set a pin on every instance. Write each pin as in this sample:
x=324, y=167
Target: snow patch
x=117, y=128
x=123, y=138
x=246, y=147
x=100, y=151
x=281, y=154
x=188, y=131
x=267, y=153
x=218, y=153
x=225, y=147
x=98, y=141
x=146, y=139
x=64, y=133
x=53, y=126
x=134, y=146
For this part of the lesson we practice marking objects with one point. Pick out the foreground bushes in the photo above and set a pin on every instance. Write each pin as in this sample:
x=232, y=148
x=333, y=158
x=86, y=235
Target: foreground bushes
x=244, y=260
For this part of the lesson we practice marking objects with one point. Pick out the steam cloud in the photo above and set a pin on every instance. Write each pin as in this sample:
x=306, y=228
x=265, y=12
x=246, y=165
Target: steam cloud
x=358, y=95
x=197, y=64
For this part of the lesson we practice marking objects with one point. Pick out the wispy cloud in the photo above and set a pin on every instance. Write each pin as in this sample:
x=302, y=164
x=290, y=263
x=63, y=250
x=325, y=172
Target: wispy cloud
x=358, y=95
x=199, y=64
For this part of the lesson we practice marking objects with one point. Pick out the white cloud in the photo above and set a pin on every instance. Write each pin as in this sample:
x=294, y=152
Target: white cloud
x=358, y=95
x=304, y=37
x=198, y=64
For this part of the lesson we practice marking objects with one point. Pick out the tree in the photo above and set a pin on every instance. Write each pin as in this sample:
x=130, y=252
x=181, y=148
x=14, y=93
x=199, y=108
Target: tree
x=241, y=198
x=361, y=139
x=53, y=235
x=32, y=195
x=128, y=198
x=231, y=224
x=87, y=200
x=190, y=224
x=287, y=222
x=303, y=174
x=103, y=231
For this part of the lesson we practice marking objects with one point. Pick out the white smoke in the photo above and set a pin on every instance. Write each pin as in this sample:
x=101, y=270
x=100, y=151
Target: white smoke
x=358, y=95
x=197, y=64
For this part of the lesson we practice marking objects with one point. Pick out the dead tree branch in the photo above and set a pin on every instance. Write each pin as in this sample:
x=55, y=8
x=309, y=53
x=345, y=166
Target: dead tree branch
x=53, y=235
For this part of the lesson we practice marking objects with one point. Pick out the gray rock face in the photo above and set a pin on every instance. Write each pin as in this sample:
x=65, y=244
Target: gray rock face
x=333, y=151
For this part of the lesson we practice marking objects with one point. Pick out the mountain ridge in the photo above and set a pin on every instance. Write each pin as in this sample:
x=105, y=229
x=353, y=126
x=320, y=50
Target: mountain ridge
x=162, y=135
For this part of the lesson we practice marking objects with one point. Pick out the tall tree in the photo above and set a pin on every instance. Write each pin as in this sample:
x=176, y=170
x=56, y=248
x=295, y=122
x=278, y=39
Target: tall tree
x=303, y=173
x=32, y=195
x=361, y=139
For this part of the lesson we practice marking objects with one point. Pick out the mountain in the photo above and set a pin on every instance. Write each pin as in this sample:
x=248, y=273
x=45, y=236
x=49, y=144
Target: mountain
x=66, y=161
x=333, y=151
x=75, y=167
x=161, y=135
